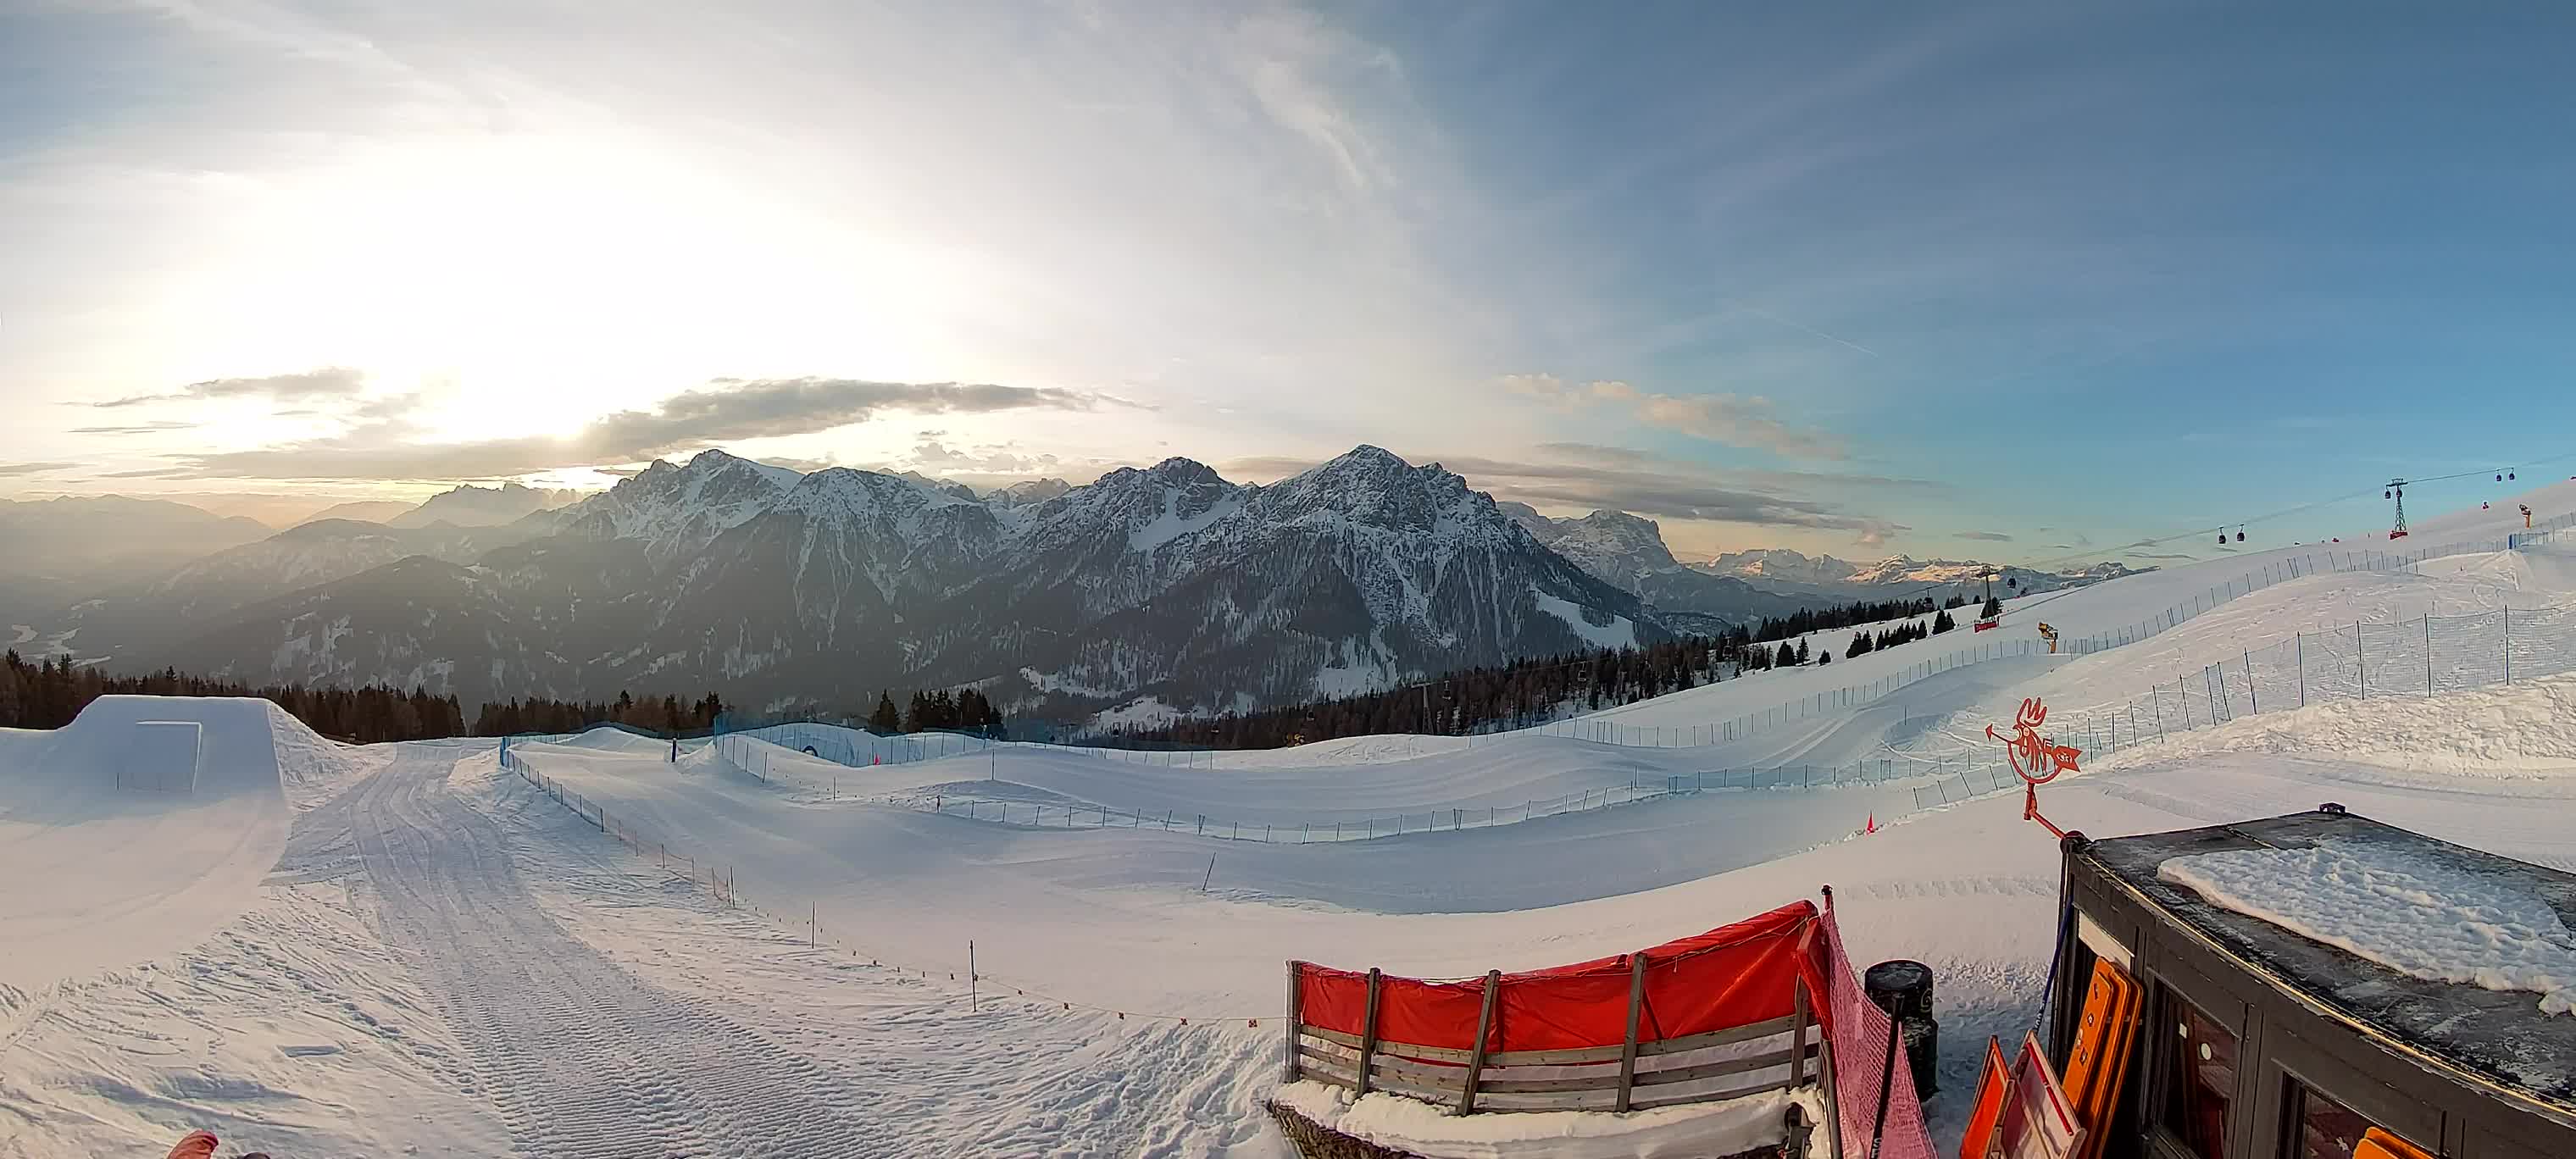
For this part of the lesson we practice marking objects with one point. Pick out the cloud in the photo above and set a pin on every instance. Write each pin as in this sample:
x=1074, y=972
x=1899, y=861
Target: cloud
x=726, y=410
x=1769, y=479
x=933, y=456
x=1735, y=420
x=34, y=468
x=1986, y=536
x=327, y=382
x=135, y=429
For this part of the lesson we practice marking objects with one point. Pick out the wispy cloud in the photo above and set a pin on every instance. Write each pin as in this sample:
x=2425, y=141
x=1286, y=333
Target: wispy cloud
x=1735, y=420
x=135, y=429
x=34, y=468
x=1986, y=536
x=327, y=382
x=727, y=410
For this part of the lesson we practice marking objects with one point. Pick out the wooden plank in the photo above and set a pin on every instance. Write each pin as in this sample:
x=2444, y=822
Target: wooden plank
x=1681, y=1074
x=1643, y=1078
x=1575, y=1056
x=1330, y=1070
x=1296, y=1008
x=1484, y=1032
x=1402, y=1049
x=1512, y=1086
x=1746, y=1033
x=1368, y=1028
x=1436, y=1078
x=1332, y=1036
x=1650, y=1101
x=1797, y=1028
x=1560, y=1101
x=1636, y=1008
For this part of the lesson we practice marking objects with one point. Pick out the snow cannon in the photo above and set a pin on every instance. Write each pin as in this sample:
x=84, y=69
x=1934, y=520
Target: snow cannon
x=1751, y=1041
x=2197, y=1009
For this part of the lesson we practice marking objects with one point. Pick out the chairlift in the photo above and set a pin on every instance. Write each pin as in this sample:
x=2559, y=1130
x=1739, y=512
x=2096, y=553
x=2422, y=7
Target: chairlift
x=2240, y=533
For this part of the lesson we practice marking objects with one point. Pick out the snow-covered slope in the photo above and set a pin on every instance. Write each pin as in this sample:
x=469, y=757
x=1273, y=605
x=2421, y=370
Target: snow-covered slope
x=105, y=872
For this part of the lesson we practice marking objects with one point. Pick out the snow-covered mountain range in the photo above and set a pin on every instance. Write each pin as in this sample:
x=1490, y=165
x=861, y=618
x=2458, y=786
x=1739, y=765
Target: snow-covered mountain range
x=783, y=588
x=1791, y=572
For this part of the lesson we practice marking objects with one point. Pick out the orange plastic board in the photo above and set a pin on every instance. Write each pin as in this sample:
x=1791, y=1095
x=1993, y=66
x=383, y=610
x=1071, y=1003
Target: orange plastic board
x=1993, y=1087
x=2092, y=1035
x=2379, y=1144
x=2100, y=1098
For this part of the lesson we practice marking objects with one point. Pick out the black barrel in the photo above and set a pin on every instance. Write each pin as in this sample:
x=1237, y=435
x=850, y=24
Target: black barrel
x=1902, y=988
x=1922, y=1038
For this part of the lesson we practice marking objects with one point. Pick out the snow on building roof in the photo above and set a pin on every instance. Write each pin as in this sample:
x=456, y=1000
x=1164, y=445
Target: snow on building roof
x=2507, y=1035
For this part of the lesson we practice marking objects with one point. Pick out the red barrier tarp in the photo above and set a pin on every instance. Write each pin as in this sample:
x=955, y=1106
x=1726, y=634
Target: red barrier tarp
x=1734, y=975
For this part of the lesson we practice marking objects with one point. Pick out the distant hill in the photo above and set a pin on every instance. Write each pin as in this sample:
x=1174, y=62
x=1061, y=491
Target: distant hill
x=471, y=506
x=361, y=511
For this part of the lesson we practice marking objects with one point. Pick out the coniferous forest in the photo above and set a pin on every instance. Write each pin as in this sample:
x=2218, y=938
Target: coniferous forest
x=1533, y=691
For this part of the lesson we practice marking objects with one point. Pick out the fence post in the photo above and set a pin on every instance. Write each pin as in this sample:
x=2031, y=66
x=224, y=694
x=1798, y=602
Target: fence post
x=1296, y=1015
x=2428, y=655
x=2183, y=694
x=2251, y=696
x=1636, y=1008
x=2361, y=659
x=2302, y=645
x=1484, y=1031
x=2508, y=643
x=1798, y=1036
x=1368, y=1030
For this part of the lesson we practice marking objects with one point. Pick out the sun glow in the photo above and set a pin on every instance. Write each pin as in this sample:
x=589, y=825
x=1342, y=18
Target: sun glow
x=551, y=279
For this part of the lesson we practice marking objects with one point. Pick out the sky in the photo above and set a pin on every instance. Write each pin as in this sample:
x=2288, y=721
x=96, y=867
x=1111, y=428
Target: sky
x=2020, y=282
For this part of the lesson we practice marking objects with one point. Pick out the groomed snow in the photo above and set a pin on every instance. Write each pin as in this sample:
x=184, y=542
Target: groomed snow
x=2413, y=913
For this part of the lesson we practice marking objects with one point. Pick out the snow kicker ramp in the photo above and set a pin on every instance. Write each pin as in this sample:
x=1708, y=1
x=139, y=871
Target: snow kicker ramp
x=116, y=850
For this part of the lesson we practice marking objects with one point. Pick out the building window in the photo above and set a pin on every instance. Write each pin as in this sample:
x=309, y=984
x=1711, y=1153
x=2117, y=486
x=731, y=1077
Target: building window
x=2200, y=1078
x=2321, y=1128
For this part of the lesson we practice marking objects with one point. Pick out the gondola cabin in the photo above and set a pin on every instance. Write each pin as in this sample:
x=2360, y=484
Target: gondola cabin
x=2198, y=1021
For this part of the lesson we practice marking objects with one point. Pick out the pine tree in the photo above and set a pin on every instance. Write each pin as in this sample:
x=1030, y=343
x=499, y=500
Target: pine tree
x=1994, y=608
x=1860, y=646
x=1802, y=653
x=885, y=721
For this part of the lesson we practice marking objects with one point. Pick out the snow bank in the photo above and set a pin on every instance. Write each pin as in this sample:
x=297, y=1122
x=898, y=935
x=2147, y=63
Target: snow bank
x=128, y=875
x=1703, y=1129
x=2520, y=730
x=2415, y=913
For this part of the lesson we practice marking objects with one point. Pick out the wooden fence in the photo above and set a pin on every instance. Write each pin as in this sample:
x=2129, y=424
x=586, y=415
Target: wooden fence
x=1631, y=1075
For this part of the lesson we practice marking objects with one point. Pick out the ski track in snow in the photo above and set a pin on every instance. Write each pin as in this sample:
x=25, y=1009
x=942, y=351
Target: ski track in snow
x=692, y=1046
x=581, y=1058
